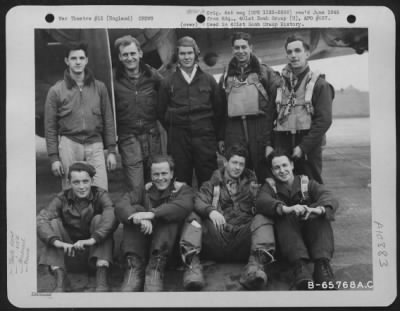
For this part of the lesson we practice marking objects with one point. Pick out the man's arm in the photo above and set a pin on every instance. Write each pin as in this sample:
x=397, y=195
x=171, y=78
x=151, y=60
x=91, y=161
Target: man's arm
x=51, y=126
x=321, y=196
x=163, y=101
x=203, y=200
x=43, y=219
x=176, y=209
x=128, y=205
x=108, y=220
x=322, y=118
x=266, y=203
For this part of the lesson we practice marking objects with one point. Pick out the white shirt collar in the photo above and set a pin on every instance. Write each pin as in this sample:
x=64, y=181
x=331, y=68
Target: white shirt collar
x=187, y=77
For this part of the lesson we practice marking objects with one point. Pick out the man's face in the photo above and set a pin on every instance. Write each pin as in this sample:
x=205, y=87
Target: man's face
x=161, y=175
x=297, y=54
x=241, y=50
x=235, y=166
x=81, y=184
x=130, y=56
x=282, y=169
x=76, y=61
x=186, y=57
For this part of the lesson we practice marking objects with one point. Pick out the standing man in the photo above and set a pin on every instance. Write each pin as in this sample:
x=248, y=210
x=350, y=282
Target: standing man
x=302, y=210
x=136, y=89
x=304, y=110
x=225, y=227
x=79, y=119
x=249, y=88
x=151, y=224
x=191, y=110
x=78, y=222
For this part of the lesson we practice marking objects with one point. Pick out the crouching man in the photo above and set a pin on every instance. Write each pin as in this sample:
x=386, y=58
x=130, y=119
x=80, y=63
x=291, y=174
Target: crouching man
x=151, y=224
x=225, y=228
x=302, y=210
x=78, y=222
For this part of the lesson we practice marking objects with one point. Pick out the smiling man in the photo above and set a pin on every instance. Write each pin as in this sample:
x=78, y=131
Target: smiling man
x=302, y=210
x=151, y=224
x=136, y=96
x=248, y=89
x=79, y=121
x=191, y=111
x=78, y=223
x=225, y=227
x=303, y=110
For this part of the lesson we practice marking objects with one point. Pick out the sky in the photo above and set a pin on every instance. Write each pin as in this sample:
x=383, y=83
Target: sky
x=342, y=71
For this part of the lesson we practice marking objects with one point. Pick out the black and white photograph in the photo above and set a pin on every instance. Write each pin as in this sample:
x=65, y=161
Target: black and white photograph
x=233, y=158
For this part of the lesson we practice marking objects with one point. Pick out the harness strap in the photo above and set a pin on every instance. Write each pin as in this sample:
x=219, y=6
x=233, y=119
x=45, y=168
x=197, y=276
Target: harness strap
x=271, y=183
x=304, y=186
x=216, y=192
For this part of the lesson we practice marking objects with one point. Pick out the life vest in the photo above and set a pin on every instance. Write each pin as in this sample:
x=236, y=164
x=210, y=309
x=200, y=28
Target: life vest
x=295, y=108
x=304, y=181
x=243, y=96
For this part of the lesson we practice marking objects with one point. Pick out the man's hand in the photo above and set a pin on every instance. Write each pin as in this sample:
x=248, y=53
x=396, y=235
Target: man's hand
x=268, y=150
x=111, y=161
x=57, y=168
x=313, y=212
x=297, y=153
x=298, y=210
x=221, y=147
x=218, y=219
x=82, y=244
x=146, y=226
x=138, y=217
x=67, y=247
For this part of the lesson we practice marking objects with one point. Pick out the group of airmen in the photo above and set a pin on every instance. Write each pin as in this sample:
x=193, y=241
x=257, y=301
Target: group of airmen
x=267, y=202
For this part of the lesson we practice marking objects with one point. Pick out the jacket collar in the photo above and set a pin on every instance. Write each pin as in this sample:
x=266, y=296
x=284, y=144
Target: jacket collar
x=89, y=78
x=156, y=194
x=69, y=194
x=286, y=190
x=143, y=69
x=287, y=72
x=253, y=66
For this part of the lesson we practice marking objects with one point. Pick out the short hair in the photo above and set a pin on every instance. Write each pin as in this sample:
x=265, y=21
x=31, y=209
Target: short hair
x=125, y=41
x=296, y=37
x=160, y=158
x=81, y=167
x=278, y=153
x=237, y=150
x=241, y=36
x=189, y=42
x=75, y=46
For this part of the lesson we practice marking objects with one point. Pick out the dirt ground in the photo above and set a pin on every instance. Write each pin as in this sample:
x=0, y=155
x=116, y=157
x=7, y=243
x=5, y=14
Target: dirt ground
x=346, y=172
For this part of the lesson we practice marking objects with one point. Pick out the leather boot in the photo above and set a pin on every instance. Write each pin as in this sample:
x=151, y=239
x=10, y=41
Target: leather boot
x=154, y=281
x=302, y=276
x=323, y=274
x=253, y=276
x=134, y=274
x=193, y=279
x=101, y=279
x=61, y=280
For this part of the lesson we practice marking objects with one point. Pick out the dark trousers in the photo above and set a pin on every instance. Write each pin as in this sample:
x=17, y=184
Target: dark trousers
x=192, y=150
x=257, y=128
x=53, y=256
x=310, y=164
x=160, y=242
x=299, y=239
x=230, y=244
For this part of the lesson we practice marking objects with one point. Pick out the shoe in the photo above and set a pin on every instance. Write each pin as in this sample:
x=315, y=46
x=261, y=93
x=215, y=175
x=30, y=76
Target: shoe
x=302, y=276
x=253, y=276
x=323, y=274
x=154, y=281
x=62, y=282
x=193, y=279
x=101, y=279
x=134, y=275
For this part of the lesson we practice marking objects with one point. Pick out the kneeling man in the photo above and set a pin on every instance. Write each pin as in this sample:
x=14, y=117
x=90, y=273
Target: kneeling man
x=151, y=224
x=302, y=210
x=225, y=227
x=78, y=221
